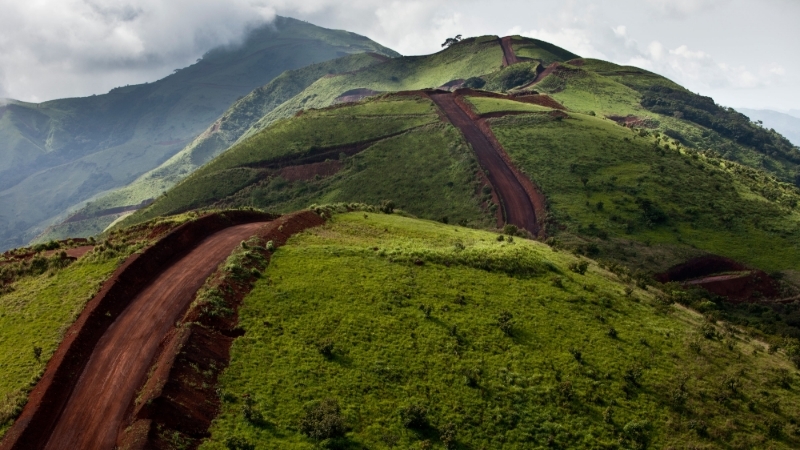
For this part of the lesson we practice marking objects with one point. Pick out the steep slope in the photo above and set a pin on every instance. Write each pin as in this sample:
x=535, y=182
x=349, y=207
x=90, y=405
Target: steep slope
x=58, y=154
x=320, y=86
x=378, y=331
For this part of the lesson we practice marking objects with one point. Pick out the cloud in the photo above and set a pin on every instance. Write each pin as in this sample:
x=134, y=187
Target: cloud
x=42, y=42
x=682, y=9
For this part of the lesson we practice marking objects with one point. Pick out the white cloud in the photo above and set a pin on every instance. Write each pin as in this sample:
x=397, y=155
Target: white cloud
x=42, y=42
x=681, y=9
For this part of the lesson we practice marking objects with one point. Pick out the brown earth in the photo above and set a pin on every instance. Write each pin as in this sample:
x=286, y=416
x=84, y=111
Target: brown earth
x=724, y=277
x=72, y=253
x=518, y=207
x=91, y=378
x=179, y=398
x=576, y=62
x=509, y=57
x=532, y=98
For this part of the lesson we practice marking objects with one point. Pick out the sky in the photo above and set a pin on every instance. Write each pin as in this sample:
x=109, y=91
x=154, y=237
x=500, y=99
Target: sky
x=740, y=52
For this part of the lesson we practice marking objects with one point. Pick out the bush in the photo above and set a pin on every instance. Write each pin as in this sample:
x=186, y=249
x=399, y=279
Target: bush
x=474, y=83
x=636, y=434
x=612, y=333
x=323, y=421
x=325, y=347
x=448, y=435
x=506, y=322
x=237, y=443
x=579, y=267
x=414, y=417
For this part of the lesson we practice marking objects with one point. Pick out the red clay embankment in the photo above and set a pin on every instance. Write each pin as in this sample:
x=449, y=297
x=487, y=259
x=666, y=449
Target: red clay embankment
x=180, y=396
x=518, y=207
x=94, y=372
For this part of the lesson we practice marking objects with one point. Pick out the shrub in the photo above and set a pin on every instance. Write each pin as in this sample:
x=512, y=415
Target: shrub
x=325, y=347
x=506, y=322
x=251, y=414
x=636, y=434
x=323, y=420
x=510, y=230
x=238, y=443
x=448, y=435
x=414, y=417
x=387, y=207
x=577, y=354
x=474, y=83
x=612, y=333
x=579, y=267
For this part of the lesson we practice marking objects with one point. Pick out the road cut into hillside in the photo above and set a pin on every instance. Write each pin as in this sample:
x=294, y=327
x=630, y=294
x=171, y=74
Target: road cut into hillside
x=91, y=380
x=509, y=57
x=517, y=202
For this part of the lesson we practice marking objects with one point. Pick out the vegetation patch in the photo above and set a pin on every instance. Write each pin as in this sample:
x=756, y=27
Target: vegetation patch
x=431, y=356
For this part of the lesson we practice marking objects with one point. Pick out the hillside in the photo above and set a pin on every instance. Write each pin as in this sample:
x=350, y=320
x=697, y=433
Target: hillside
x=315, y=87
x=429, y=344
x=785, y=124
x=58, y=154
x=607, y=186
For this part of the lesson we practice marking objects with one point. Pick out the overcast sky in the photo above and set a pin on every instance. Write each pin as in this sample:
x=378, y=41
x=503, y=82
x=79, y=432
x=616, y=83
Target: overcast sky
x=741, y=52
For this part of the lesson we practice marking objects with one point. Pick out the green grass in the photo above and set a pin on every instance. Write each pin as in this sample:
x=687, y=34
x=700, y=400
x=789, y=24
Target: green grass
x=428, y=170
x=486, y=105
x=61, y=153
x=697, y=201
x=37, y=314
x=354, y=282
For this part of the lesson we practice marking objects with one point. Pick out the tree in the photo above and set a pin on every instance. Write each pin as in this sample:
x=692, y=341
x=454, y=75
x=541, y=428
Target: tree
x=451, y=41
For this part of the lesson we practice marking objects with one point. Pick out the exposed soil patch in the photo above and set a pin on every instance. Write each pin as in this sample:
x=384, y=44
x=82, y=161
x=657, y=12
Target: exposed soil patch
x=532, y=98
x=317, y=155
x=518, y=207
x=311, y=171
x=576, y=62
x=509, y=57
x=89, y=381
x=634, y=121
x=724, y=277
x=180, y=398
x=355, y=95
x=72, y=253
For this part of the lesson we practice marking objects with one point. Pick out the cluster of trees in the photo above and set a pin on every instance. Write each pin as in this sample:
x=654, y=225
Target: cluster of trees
x=725, y=121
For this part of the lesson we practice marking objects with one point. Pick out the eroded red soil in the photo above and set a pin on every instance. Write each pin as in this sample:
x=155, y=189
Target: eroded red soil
x=509, y=57
x=724, y=277
x=88, y=383
x=516, y=201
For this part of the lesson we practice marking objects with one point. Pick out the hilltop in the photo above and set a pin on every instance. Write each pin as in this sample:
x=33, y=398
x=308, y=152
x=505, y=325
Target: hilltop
x=58, y=154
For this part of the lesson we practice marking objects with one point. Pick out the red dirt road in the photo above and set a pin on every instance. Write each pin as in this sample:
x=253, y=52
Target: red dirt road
x=517, y=206
x=509, y=57
x=119, y=362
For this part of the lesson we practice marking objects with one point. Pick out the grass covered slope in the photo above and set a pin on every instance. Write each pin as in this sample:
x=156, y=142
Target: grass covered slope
x=605, y=181
x=61, y=153
x=395, y=148
x=606, y=89
x=218, y=137
x=378, y=331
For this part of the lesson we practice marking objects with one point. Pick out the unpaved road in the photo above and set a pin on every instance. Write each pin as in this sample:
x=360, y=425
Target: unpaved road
x=517, y=206
x=509, y=57
x=119, y=362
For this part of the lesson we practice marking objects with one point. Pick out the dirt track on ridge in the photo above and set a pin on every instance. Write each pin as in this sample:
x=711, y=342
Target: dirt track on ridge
x=509, y=57
x=517, y=205
x=119, y=362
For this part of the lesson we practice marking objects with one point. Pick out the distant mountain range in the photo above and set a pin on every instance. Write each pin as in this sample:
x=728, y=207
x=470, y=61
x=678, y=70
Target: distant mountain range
x=785, y=124
x=56, y=155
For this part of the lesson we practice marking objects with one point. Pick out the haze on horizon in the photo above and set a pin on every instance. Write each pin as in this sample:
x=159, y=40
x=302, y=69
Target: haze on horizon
x=740, y=53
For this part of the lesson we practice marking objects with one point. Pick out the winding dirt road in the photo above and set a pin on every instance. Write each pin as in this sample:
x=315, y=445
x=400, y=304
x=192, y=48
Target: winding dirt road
x=518, y=208
x=119, y=362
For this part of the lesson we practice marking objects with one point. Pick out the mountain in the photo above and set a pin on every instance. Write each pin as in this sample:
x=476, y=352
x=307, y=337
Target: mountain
x=785, y=124
x=58, y=154
x=501, y=245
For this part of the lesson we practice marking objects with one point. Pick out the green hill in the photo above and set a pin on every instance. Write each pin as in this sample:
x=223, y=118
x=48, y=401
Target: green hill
x=425, y=335
x=315, y=87
x=58, y=154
